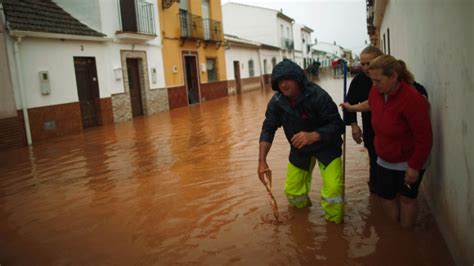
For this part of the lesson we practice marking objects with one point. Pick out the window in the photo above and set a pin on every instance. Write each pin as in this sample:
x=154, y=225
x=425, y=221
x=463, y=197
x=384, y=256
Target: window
x=265, y=70
x=211, y=68
x=274, y=62
x=251, y=69
x=288, y=32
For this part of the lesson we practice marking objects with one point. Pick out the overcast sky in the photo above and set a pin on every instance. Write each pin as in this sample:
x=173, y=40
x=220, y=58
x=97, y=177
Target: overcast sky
x=343, y=21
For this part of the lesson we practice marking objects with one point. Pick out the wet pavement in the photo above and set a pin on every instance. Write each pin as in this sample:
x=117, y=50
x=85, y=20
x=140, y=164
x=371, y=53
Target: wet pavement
x=180, y=187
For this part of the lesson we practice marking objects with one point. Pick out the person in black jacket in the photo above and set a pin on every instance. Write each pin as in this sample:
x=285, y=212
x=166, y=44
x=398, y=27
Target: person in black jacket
x=313, y=128
x=359, y=92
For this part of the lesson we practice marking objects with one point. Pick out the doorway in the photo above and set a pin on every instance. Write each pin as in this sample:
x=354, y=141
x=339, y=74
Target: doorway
x=87, y=89
x=191, y=77
x=238, y=82
x=134, y=86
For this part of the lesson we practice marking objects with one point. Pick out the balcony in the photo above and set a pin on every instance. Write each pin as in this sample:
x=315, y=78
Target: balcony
x=212, y=30
x=191, y=26
x=137, y=21
x=287, y=44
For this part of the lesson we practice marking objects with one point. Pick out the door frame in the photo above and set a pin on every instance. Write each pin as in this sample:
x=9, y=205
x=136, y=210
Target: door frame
x=185, y=79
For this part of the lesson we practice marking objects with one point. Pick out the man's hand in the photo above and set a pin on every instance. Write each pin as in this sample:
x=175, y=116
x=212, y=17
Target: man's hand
x=264, y=174
x=356, y=133
x=411, y=176
x=300, y=139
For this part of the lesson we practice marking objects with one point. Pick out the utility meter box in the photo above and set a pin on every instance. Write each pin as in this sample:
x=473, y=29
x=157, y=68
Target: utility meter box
x=44, y=83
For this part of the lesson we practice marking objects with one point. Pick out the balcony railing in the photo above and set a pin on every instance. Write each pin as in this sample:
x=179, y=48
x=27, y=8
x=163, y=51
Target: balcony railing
x=287, y=43
x=191, y=25
x=212, y=30
x=137, y=16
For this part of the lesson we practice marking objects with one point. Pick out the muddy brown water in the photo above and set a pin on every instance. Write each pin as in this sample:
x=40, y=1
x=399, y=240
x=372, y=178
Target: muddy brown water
x=181, y=187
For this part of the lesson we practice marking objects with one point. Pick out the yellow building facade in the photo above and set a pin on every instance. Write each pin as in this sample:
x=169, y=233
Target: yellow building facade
x=193, y=51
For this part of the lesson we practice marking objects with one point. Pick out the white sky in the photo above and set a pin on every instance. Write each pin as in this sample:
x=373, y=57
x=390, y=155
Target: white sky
x=343, y=21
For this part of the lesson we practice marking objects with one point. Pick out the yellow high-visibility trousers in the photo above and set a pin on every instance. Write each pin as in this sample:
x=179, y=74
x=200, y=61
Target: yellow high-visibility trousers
x=298, y=186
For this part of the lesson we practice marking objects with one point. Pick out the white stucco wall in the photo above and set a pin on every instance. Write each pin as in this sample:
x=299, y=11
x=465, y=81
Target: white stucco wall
x=240, y=20
x=243, y=55
x=269, y=54
x=435, y=38
x=299, y=58
x=56, y=57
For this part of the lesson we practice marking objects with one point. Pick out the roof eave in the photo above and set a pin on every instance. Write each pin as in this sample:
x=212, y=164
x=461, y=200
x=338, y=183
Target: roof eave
x=49, y=35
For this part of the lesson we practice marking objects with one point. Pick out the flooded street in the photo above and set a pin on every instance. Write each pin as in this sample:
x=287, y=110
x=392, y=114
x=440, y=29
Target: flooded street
x=180, y=187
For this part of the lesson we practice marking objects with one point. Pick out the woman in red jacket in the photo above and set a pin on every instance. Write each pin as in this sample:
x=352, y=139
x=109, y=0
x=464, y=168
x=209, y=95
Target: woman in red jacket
x=403, y=136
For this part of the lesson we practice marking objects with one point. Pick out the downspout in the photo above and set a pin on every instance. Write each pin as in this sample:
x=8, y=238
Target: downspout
x=262, y=83
x=26, y=119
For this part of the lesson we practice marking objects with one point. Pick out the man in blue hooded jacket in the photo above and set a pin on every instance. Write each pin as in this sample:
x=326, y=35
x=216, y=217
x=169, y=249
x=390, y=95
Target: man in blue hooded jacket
x=313, y=127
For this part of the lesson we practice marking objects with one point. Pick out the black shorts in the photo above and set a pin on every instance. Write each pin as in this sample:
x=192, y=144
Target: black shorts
x=392, y=182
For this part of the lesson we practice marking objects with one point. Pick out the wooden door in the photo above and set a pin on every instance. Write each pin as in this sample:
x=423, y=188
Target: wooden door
x=134, y=86
x=88, y=89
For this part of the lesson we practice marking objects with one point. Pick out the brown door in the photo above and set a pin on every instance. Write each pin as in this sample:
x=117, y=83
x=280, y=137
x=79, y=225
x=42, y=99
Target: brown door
x=134, y=85
x=88, y=89
x=192, y=82
x=238, y=82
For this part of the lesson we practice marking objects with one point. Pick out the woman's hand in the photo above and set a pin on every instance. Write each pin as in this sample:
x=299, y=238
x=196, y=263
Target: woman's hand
x=411, y=176
x=346, y=106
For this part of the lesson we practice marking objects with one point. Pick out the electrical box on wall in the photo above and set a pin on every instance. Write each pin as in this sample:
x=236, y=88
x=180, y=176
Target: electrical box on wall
x=153, y=75
x=203, y=67
x=44, y=83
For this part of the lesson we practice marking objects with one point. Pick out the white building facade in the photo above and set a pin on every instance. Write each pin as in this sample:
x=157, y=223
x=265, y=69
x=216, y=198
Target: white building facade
x=303, y=44
x=67, y=82
x=273, y=28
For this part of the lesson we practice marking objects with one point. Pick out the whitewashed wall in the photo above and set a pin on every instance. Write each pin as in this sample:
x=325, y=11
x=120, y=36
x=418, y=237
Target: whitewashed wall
x=435, y=38
x=243, y=55
x=240, y=20
x=269, y=55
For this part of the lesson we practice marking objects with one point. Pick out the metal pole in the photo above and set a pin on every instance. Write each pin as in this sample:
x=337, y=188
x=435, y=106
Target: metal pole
x=344, y=65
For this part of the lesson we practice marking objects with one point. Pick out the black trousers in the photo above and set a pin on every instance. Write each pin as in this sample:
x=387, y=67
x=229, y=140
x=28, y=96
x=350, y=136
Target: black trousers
x=369, y=145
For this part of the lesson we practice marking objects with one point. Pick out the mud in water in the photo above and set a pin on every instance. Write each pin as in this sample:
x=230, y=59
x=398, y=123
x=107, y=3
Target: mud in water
x=181, y=187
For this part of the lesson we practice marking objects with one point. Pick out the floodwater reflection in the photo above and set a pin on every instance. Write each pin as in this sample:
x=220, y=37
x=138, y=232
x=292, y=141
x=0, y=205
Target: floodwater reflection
x=180, y=187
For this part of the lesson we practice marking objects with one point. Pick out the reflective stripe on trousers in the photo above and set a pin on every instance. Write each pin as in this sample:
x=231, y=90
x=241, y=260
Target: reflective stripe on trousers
x=332, y=198
x=298, y=186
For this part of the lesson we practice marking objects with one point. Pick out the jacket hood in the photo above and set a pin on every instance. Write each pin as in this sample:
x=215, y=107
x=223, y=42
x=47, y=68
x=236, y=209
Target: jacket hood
x=288, y=70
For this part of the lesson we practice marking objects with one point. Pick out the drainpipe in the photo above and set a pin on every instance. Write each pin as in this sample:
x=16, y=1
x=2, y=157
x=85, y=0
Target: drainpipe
x=262, y=83
x=26, y=119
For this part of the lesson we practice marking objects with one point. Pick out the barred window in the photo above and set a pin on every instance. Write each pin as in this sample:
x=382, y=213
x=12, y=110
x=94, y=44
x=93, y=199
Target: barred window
x=211, y=68
x=251, y=68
